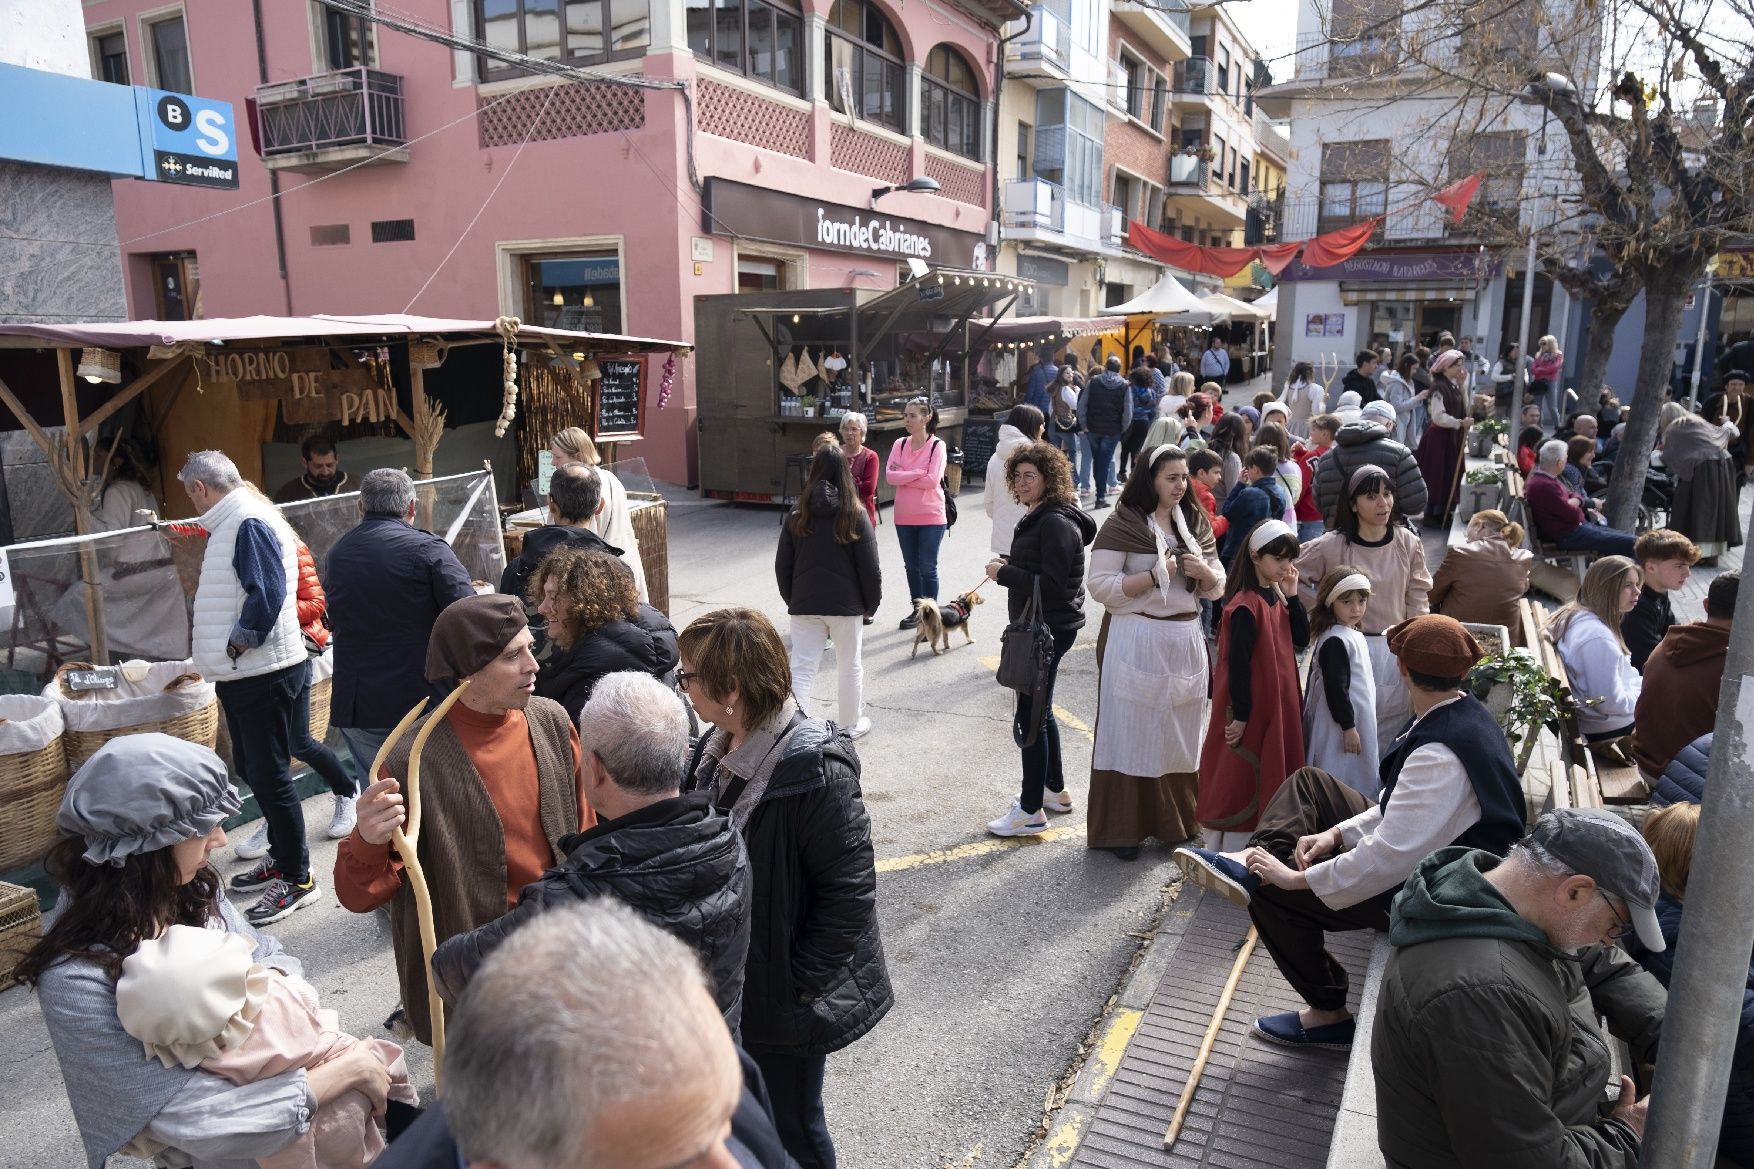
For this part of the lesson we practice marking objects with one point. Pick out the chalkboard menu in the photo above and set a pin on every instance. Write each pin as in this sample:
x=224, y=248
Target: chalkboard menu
x=980, y=437
x=620, y=397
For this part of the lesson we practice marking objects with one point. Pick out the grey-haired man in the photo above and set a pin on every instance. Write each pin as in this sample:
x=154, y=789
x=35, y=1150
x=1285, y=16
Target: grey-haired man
x=1486, y=1049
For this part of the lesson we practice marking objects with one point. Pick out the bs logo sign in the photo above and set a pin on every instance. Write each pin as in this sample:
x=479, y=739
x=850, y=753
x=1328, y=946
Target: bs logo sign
x=194, y=141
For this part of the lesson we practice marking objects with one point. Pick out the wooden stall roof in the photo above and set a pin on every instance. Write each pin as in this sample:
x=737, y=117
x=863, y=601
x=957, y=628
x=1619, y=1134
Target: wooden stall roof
x=333, y=327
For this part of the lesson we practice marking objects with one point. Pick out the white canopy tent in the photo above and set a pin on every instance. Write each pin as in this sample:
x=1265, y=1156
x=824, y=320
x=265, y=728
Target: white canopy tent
x=1228, y=308
x=1268, y=304
x=1169, y=297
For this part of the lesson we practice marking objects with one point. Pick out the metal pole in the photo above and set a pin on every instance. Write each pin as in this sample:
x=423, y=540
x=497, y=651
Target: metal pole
x=1699, y=342
x=1522, y=345
x=1717, y=931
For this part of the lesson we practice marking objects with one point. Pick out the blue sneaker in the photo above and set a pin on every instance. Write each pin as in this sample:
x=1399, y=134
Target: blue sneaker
x=1288, y=1031
x=1218, y=873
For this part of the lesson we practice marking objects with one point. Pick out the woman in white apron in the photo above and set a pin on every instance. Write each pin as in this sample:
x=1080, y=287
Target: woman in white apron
x=1153, y=562
x=1339, y=707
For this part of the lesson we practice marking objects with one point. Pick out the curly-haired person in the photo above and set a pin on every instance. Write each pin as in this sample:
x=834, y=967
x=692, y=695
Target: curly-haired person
x=598, y=625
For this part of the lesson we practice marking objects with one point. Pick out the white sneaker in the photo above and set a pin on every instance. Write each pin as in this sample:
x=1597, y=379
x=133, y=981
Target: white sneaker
x=1016, y=823
x=1058, y=803
x=256, y=846
x=859, y=729
x=341, y=821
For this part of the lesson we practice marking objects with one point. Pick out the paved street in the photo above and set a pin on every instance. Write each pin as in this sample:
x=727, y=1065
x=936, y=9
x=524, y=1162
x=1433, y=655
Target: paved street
x=1002, y=954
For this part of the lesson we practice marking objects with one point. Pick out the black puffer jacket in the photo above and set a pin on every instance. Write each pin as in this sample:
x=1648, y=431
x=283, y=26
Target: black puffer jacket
x=677, y=863
x=538, y=544
x=646, y=645
x=1049, y=542
x=1360, y=384
x=816, y=978
x=1366, y=444
x=821, y=577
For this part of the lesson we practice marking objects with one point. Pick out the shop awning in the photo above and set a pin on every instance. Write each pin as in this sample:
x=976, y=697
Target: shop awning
x=229, y=330
x=1365, y=291
x=1052, y=328
x=1166, y=298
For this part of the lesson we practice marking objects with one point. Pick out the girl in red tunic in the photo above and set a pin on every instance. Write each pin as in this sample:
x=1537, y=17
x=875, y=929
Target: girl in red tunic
x=1255, y=738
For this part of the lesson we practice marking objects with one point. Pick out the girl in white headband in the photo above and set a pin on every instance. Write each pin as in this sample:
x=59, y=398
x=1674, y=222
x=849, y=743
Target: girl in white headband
x=1339, y=712
x=1255, y=738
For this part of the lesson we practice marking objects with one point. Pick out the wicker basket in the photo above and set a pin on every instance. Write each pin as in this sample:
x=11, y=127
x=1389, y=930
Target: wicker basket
x=200, y=725
x=320, y=708
x=953, y=478
x=651, y=524
x=31, y=783
x=21, y=923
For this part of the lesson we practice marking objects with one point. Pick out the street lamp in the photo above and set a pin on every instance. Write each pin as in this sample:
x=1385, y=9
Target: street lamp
x=1537, y=92
x=923, y=185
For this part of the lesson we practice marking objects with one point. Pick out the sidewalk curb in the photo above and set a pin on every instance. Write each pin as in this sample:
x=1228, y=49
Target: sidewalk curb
x=1112, y=1036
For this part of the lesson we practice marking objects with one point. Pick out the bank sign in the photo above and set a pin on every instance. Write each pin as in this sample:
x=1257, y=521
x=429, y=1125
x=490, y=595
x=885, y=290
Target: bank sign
x=127, y=131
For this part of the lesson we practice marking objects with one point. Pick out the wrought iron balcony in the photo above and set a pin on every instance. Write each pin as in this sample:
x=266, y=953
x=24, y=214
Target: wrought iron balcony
x=332, y=120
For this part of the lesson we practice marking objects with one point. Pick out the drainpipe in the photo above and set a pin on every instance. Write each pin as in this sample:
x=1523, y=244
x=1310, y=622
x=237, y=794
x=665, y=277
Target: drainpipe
x=998, y=102
x=273, y=175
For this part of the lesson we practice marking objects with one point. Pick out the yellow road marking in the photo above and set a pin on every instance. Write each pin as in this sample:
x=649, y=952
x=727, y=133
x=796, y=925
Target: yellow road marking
x=920, y=860
x=1066, y=717
x=1108, y=1053
x=1063, y=1141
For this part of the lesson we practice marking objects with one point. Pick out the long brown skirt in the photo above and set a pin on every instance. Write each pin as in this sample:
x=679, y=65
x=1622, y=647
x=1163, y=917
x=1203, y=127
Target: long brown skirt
x=1125, y=809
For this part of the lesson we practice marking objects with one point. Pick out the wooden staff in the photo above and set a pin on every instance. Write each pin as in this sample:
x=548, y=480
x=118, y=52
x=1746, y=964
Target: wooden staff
x=1218, y=1013
x=407, y=842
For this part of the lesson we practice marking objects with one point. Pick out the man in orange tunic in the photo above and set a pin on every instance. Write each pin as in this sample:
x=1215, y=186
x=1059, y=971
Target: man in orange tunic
x=499, y=788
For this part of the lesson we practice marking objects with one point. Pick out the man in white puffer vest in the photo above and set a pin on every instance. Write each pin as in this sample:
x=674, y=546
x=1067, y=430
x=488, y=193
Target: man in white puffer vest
x=247, y=641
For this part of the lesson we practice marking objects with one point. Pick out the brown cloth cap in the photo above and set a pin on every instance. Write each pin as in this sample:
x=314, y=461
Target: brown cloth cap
x=470, y=633
x=1434, y=645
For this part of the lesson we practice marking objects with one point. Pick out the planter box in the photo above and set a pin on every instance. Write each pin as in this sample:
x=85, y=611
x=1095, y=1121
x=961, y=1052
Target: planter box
x=1478, y=497
x=1479, y=444
x=1494, y=639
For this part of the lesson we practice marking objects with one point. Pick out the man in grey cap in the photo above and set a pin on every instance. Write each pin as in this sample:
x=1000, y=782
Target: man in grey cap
x=1486, y=1049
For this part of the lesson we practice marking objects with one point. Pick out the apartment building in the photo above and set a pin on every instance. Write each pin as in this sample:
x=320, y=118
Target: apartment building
x=1379, y=119
x=394, y=174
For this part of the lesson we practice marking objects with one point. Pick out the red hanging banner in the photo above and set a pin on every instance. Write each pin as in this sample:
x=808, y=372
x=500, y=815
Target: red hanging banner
x=1189, y=257
x=1458, y=195
x=1335, y=246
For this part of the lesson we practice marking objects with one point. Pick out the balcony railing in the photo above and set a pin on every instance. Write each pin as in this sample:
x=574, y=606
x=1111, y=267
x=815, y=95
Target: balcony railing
x=1265, y=214
x=1114, y=225
x=1047, y=43
x=1269, y=137
x=348, y=108
x=1038, y=205
x=1189, y=170
x=1375, y=54
x=1196, y=75
x=1410, y=219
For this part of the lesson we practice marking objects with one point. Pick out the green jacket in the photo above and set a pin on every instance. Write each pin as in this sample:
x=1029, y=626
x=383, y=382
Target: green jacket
x=1486, y=1049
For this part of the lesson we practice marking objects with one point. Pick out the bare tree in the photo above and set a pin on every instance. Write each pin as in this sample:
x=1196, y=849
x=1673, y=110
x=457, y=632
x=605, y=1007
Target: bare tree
x=1652, y=101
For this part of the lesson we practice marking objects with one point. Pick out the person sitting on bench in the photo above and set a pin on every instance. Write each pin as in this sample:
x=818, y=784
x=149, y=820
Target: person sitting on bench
x=1325, y=858
x=1561, y=517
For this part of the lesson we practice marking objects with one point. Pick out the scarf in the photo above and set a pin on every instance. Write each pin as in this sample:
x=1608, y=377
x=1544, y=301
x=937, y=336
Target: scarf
x=753, y=761
x=1128, y=530
x=1689, y=442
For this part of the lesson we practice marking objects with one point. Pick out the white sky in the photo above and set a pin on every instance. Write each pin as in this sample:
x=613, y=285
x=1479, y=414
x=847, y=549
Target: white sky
x=1271, y=26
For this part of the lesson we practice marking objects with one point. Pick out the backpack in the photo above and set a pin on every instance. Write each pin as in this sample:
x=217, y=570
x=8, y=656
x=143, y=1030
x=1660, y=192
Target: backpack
x=949, y=499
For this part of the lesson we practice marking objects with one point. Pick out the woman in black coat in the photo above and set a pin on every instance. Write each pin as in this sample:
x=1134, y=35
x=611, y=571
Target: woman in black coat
x=1047, y=552
x=598, y=625
x=816, y=979
x=827, y=571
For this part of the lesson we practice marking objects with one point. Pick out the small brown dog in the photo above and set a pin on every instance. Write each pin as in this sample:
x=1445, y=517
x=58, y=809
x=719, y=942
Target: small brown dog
x=937, y=621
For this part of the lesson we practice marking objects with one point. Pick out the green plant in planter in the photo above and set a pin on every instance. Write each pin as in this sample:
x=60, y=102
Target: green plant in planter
x=1536, y=699
x=1490, y=428
x=1492, y=473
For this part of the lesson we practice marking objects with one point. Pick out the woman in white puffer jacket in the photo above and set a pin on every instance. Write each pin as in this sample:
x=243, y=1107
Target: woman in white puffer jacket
x=1022, y=426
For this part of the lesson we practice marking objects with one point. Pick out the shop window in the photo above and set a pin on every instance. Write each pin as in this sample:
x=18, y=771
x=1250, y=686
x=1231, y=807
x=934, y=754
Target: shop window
x=752, y=37
x=1068, y=145
x=176, y=286
x=574, y=290
x=561, y=30
x=167, y=49
x=755, y=274
x=109, y=57
x=866, y=76
x=951, y=113
x=1355, y=182
x=347, y=38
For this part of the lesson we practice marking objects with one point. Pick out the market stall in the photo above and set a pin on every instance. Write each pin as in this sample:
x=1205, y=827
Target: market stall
x=1005, y=364
x=1165, y=315
x=227, y=383
x=787, y=364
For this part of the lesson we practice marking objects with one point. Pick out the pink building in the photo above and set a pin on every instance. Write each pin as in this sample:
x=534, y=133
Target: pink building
x=489, y=190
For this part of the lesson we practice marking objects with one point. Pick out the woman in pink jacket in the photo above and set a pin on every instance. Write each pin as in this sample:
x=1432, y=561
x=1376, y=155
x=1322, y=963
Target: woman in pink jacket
x=916, y=471
x=1544, y=370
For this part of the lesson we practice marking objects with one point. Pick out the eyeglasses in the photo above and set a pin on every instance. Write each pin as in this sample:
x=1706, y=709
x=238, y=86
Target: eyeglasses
x=683, y=677
x=1622, y=926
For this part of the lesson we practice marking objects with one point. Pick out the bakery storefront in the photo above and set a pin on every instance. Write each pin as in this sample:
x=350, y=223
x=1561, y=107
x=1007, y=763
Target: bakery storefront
x=779, y=365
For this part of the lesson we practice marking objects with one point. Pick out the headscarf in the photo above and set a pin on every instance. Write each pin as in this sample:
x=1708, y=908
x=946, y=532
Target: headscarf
x=141, y=793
